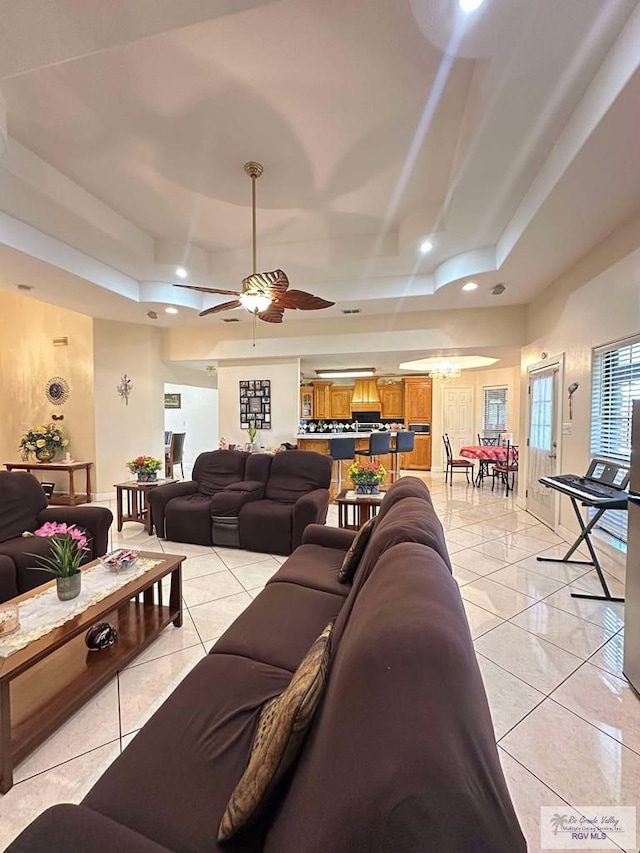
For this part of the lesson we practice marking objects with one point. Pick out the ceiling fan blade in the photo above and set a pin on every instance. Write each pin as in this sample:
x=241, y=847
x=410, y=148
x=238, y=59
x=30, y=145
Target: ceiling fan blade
x=275, y=282
x=209, y=289
x=225, y=306
x=273, y=314
x=302, y=300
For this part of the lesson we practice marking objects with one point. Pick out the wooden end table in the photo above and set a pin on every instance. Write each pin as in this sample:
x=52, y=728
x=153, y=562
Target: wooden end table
x=360, y=507
x=58, y=499
x=43, y=684
x=138, y=509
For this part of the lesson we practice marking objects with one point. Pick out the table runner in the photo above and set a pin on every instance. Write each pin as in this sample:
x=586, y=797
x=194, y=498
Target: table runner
x=43, y=612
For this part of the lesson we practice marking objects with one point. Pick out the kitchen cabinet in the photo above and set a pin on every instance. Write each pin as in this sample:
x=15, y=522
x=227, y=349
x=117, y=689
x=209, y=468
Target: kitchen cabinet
x=322, y=400
x=341, y=402
x=420, y=457
x=417, y=399
x=306, y=401
x=391, y=400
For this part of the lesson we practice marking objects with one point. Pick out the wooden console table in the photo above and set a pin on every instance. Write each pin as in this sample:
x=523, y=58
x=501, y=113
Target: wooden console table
x=59, y=499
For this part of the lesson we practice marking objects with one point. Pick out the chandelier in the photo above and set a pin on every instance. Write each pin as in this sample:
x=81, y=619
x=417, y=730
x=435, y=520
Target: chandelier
x=445, y=370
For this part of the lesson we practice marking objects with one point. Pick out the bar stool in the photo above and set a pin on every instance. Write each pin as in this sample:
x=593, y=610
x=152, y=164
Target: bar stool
x=379, y=445
x=339, y=449
x=405, y=442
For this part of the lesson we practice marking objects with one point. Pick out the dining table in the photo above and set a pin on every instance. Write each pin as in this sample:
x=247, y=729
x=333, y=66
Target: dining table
x=485, y=454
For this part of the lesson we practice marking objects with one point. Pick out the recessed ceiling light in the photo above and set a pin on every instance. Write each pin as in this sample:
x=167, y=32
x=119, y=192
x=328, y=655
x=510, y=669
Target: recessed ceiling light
x=470, y=5
x=181, y=272
x=470, y=285
x=347, y=373
x=426, y=246
x=170, y=310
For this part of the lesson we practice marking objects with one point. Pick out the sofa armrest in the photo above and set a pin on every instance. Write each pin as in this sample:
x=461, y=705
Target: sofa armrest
x=228, y=502
x=308, y=509
x=8, y=578
x=159, y=497
x=96, y=520
x=328, y=537
x=72, y=829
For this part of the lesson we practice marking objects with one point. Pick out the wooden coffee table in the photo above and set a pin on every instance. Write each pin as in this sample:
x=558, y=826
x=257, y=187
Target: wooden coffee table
x=360, y=507
x=43, y=684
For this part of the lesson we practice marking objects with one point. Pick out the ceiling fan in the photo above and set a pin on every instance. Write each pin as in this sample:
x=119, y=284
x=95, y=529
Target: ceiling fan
x=266, y=295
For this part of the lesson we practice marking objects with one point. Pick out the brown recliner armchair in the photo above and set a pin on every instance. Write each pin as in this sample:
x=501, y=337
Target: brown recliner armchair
x=296, y=495
x=23, y=507
x=181, y=511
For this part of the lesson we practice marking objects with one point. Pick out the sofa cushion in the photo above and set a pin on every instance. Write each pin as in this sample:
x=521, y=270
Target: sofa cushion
x=215, y=469
x=405, y=487
x=282, y=727
x=29, y=570
x=188, y=519
x=404, y=729
x=314, y=566
x=172, y=783
x=21, y=499
x=353, y=556
x=296, y=472
x=280, y=625
x=8, y=578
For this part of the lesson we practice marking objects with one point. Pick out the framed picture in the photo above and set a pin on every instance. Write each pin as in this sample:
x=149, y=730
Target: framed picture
x=255, y=403
x=173, y=401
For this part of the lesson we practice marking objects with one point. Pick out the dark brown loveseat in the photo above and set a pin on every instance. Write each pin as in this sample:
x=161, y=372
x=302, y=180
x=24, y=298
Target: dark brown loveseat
x=252, y=501
x=401, y=756
x=23, y=507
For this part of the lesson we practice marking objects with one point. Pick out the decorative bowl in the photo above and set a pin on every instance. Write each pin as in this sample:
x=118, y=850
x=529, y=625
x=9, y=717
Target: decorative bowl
x=115, y=561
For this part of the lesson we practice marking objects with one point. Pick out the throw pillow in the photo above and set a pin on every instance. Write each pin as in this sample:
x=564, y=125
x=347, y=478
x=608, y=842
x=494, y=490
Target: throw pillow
x=282, y=727
x=354, y=554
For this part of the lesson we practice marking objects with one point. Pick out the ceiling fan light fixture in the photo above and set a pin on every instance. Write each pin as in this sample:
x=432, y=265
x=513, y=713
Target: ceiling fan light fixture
x=254, y=303
x=468, y=6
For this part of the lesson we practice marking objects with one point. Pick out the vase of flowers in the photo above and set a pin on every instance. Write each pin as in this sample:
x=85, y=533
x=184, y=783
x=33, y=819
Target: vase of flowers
x=68, y=547
x=252, y=432
x=367, y=477
x=42, y=442
x=146, y=468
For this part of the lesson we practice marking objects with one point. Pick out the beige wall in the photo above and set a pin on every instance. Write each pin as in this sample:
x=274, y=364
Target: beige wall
x=595, y=302
x=284, y=376
x=28, y=359
x=477, y=380
x=124, y=431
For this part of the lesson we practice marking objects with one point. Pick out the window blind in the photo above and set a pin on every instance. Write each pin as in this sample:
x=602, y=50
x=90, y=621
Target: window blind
x=494, y=411
x=615, y=384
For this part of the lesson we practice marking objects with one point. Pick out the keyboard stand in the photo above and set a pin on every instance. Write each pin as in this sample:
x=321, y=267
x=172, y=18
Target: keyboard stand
x=585, y=536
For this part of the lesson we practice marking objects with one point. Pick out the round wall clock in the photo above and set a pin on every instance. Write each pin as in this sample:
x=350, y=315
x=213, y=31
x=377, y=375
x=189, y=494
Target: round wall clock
x=57, y=390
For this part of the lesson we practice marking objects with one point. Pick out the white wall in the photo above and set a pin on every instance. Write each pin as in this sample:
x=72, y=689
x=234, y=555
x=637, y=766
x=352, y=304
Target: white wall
x=198, y=417
x=124, y=431
x=285, y=384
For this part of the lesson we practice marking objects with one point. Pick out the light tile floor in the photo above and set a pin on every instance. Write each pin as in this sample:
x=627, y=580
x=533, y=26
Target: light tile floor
x=566, y=720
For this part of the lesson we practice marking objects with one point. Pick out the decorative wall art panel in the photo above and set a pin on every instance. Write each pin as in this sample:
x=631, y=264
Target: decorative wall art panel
x=255, y=403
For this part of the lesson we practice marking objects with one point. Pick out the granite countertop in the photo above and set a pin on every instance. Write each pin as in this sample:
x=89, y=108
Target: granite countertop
x=326, y=435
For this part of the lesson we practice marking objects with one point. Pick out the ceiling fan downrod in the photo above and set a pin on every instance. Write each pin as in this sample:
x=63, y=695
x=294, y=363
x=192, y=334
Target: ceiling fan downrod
x=254, y=170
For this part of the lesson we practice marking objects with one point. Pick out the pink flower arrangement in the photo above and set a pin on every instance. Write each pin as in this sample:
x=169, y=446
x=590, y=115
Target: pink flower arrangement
x=54, y=528
x=68, y=547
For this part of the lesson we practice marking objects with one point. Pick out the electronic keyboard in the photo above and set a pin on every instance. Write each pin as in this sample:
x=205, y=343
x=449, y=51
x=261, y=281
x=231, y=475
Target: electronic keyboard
x=585, y=490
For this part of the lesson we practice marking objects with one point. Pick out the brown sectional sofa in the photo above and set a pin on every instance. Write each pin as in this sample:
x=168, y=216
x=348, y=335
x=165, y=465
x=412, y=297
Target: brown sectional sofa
x=401, y=756
x=23, y=507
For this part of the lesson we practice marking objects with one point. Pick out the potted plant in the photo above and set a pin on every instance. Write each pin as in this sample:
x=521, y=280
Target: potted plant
x=43, y=442
x=367, y=477
x=146, y=467
x=68, y=547
x=252, y=432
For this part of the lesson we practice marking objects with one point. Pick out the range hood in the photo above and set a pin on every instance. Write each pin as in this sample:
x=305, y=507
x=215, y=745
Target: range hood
x=365, y=396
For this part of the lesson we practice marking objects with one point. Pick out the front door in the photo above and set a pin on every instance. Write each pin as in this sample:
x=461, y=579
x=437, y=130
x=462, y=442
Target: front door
x=458, y=416
x=544, y=384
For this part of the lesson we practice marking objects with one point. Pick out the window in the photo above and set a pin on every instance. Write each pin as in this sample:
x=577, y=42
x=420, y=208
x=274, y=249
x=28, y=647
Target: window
x=494, y=411
x=616, y=383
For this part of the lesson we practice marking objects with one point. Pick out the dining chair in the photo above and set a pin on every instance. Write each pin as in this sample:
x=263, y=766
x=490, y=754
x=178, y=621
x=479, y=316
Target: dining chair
x=167, y=437
x=455, y=464
x=175, y=454
x=506, y=468
x=488, y=440
x=484, y=468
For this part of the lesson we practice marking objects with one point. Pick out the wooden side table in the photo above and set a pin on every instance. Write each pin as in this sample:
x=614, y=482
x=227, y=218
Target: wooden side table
x=57, y=499
x=360, y=507
x=137, y=508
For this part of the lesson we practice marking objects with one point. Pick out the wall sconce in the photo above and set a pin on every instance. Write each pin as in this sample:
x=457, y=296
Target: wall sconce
x=124, y=389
